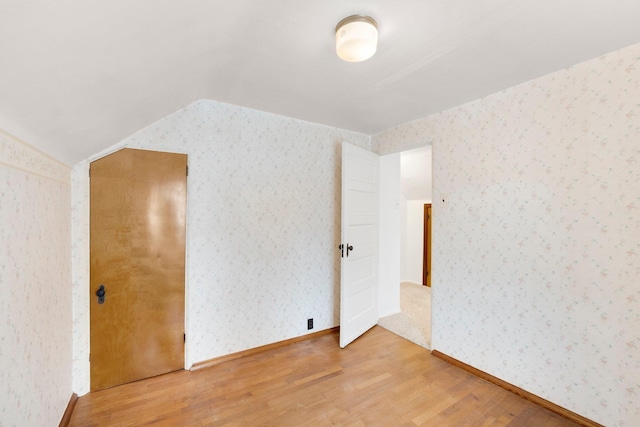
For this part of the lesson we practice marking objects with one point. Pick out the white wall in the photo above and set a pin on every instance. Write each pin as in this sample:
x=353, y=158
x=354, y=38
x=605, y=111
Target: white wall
x=415, y=164
x=389, y=235
x=35, y=286
x=403, y=237
x=413, y=241
x=536, y=260
x=263, y=227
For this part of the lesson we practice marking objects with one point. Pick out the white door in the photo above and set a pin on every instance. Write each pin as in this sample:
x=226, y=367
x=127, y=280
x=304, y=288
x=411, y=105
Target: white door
x=359, y=271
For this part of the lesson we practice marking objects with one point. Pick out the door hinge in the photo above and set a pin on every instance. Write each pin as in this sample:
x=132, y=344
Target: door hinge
x=184, y=337
x=187, y=170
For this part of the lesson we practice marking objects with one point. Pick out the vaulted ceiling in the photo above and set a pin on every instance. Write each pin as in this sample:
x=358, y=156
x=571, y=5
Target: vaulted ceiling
x=77, y=76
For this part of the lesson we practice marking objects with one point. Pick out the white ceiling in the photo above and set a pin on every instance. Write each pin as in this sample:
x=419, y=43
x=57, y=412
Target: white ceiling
x=77, y=76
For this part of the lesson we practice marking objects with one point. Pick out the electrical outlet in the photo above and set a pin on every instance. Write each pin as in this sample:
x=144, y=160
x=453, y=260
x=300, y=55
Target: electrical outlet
x=309, y=324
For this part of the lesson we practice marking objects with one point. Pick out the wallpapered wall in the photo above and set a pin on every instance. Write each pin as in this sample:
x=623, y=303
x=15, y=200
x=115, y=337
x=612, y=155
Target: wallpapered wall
x=35, y=286
x=262, y=234
x=536, y=234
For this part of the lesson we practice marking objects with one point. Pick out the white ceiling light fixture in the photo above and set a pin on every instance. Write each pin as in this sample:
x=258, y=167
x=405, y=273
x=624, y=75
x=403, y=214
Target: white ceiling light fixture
x=356, y=38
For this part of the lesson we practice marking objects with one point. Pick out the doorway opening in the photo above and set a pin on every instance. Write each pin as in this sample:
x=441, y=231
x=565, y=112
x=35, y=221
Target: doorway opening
x=426, y=247
x=413, y=321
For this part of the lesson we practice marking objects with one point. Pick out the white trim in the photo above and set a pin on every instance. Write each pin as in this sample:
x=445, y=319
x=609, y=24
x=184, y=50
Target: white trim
x=19, y=155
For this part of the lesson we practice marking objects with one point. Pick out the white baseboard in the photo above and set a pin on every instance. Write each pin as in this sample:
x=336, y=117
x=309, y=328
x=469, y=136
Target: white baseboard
x=411, y=282
x=389, y=313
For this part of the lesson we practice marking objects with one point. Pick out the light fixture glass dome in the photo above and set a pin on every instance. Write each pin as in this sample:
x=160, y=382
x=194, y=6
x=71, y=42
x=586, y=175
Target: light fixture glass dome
x=356, y=38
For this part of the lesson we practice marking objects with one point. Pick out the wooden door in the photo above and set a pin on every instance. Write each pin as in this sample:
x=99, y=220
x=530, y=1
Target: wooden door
x=137, y=248
x=359, y=271
x=426, y=265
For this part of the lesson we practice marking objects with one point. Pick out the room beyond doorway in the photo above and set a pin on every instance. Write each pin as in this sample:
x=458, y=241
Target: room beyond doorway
x=406, y=214
x=413, y=322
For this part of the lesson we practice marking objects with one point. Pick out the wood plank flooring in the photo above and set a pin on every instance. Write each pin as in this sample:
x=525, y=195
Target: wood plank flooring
x=378, y=380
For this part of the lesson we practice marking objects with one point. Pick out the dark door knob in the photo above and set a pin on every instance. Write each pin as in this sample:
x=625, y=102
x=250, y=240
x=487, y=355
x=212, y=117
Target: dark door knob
x=100, y=294
x=349, y=248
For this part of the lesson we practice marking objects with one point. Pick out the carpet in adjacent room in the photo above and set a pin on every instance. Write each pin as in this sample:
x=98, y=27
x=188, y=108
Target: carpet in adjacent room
x=414, y=320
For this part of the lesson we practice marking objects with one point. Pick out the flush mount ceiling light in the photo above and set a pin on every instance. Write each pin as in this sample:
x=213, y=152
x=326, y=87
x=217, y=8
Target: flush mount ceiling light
x=356, y=38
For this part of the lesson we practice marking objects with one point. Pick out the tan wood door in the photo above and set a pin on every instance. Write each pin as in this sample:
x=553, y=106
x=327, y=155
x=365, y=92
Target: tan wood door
x=426, y=265
x=137, y=248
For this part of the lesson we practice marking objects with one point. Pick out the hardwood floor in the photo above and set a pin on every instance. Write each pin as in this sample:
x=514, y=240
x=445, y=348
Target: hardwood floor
x=378, y=380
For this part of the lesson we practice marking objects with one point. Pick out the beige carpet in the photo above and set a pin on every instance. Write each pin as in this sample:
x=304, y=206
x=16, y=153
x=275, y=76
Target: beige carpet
x=414, y=321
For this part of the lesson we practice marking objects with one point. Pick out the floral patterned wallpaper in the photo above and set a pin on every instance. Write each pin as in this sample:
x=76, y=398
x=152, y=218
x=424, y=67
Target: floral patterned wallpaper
x=35, y=286
x=536, y=234
x=263, y=226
